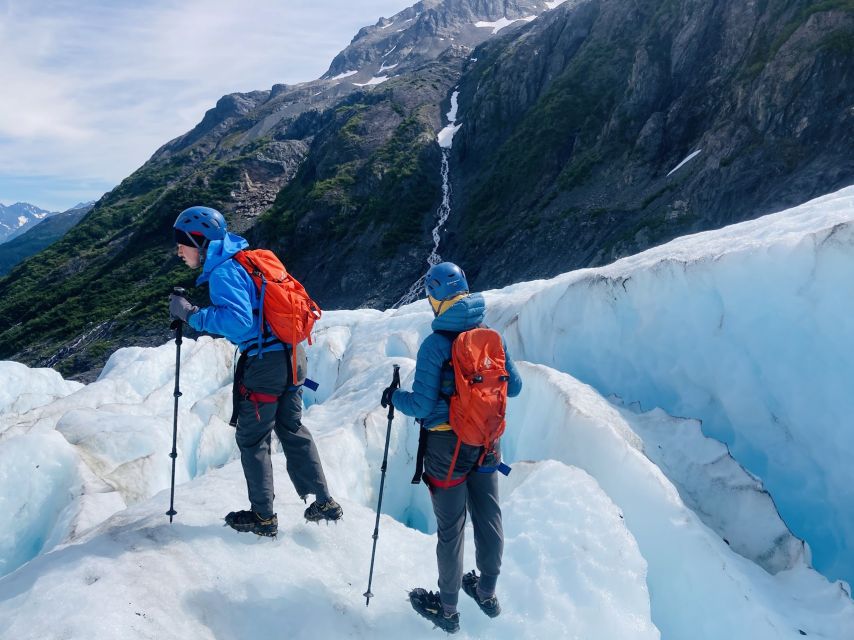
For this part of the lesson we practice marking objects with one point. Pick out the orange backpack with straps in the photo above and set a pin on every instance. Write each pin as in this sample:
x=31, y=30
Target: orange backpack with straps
x=479, y=402
x=285, y=305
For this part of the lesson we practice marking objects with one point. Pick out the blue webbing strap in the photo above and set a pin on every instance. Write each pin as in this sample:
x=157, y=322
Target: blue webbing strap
x=501, y=468
x=261, y=316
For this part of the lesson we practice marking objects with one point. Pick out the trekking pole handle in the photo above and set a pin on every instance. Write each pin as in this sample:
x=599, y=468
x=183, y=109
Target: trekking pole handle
x=176, y=323
x=395, y=384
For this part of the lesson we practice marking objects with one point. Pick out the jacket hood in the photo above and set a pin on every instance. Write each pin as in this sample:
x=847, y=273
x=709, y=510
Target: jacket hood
x=218, y=252
x=465, y=314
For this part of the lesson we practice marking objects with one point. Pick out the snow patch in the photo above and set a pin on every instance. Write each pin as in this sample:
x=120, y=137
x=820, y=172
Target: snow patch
x=446, y=136
x=678, y=166
x=500, y=24
x=372, y=81
x=452, y=112
x=346, y=74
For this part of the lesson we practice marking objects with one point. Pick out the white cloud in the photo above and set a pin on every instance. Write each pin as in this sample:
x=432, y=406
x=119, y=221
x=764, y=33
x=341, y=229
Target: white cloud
x=91, y=89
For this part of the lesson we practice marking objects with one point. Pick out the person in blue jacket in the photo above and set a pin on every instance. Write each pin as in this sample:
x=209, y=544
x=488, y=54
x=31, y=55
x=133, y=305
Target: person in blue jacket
x=267, y=397
x=469, y=483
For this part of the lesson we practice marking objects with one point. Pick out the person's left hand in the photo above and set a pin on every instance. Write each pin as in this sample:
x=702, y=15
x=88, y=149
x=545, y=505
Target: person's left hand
x=386, y=399
x=180, y=307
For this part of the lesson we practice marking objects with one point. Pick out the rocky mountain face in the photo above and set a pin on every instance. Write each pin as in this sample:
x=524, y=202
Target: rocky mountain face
x=575, y=130
x=346, y=146
x=575, y=117
x=15, y=219
x=40, y=235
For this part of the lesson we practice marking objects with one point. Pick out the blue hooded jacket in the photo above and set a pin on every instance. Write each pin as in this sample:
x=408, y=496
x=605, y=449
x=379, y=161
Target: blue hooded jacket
x=424, y=400
x=234, y=298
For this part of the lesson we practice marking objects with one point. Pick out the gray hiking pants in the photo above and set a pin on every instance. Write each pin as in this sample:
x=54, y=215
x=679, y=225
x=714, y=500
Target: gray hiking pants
x=256, y=421
x=478, y=493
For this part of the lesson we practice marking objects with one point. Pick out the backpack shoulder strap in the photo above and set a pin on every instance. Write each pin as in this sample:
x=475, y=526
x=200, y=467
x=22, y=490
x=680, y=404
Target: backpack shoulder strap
x=450, y=335
x=446, y=365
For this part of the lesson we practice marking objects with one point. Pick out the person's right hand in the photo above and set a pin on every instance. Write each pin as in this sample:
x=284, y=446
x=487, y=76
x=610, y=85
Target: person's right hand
x=386, y=399
x=180, y=308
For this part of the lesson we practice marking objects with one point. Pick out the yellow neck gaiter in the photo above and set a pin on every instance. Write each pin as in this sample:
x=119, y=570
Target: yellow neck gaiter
x=441, y=306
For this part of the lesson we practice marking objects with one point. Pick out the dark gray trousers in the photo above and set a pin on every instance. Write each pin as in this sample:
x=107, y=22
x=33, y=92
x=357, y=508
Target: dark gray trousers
x=269, y=375
x=478, y=493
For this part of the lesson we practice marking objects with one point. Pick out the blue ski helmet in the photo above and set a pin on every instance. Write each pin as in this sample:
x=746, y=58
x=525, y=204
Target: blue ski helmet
x=201, y=221
x=445, y=280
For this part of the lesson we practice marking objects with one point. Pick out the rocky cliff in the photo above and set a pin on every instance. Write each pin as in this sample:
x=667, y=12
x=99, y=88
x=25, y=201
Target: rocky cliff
x=575, y=131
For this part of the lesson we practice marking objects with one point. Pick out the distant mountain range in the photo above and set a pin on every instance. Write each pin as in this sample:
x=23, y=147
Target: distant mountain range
x=15, y=219
x=40, y=235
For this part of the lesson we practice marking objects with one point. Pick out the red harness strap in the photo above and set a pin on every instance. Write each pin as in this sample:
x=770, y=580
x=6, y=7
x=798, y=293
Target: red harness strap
x=447, y=483
x=454, y=463
x=257, y=398
x=435, y=483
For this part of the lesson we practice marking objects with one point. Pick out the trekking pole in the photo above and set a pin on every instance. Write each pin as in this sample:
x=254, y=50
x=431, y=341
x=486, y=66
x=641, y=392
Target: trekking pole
x=178, y=327
x=395, y=384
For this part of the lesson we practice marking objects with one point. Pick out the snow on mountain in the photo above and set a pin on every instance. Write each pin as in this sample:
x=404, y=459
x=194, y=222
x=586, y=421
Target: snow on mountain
x=373, y=81
x=498, y=25
x=18, y=217
x=445, y=137
x=346, y=74
x=688, y=158
x=622, y=521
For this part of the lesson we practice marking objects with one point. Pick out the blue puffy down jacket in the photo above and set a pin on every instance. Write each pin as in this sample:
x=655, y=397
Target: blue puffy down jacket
x=233, y=313
x=424, y=401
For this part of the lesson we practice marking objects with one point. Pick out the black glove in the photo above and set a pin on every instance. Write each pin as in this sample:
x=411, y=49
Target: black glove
x=386, y=399
x=181, y=308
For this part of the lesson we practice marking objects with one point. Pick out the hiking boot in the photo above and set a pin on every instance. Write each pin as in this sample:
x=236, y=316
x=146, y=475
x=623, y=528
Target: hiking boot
x=249, y=521
x=488, y=605
x=428, y=605
x=329, y=510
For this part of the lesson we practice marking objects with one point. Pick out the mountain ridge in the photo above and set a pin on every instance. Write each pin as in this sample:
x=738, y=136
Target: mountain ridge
x=40, y=235
x=16, y=218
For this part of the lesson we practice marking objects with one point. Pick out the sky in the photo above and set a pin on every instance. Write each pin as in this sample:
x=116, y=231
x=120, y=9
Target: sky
x=90, y=89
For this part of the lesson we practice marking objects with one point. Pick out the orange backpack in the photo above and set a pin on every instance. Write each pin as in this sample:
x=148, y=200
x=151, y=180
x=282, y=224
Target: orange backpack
x=285, y=305
x=479, y=402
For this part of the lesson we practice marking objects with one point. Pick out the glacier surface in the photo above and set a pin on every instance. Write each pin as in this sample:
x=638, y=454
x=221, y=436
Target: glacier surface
x=623, y=517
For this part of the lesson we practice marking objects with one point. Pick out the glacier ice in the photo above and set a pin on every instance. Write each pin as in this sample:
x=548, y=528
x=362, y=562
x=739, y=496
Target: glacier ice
x=748, y=329
x=623, y=519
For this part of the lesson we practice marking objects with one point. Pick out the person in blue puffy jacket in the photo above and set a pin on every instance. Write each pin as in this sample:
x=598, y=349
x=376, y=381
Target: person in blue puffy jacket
x=267, y=396
x=471, y=482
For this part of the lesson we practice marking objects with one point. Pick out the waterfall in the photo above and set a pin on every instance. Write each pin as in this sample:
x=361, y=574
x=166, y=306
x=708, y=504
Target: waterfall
x=444, y=139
